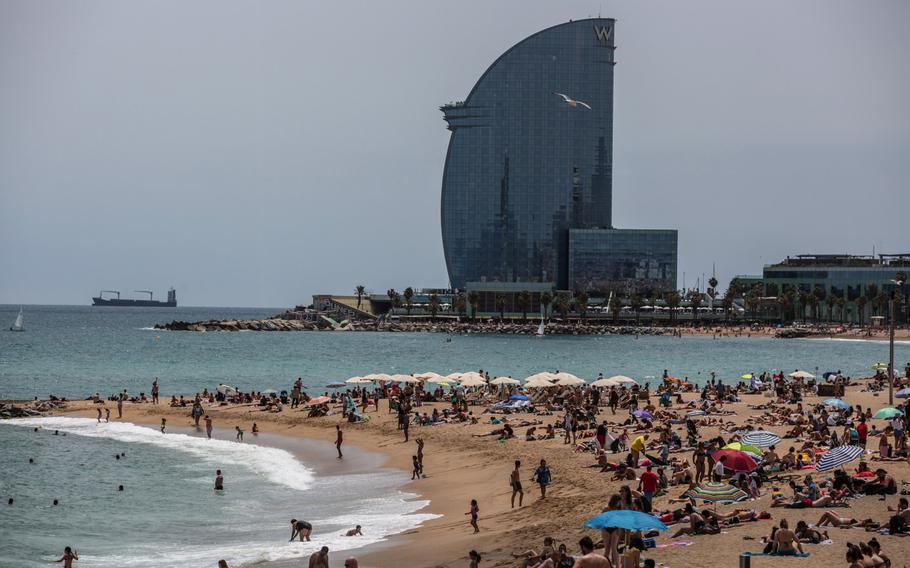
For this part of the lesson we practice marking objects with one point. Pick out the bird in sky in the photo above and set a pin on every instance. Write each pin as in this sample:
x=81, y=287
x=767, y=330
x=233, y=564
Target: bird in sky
x=572, y=102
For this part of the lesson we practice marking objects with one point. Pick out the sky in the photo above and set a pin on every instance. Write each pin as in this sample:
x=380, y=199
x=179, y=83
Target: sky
x=255, y=153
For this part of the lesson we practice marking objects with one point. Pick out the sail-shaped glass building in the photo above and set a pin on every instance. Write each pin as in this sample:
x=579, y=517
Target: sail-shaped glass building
x=530, y=158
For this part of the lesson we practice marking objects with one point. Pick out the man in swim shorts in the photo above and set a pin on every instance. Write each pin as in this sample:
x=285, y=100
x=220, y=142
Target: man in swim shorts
x=301, y=529
x=320, y=558
x=515, y=481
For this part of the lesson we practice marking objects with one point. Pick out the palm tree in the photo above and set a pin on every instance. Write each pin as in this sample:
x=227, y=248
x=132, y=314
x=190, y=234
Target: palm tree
x=727, y=303
x=785, y=301
x=458, y=303
x=523, y=302
x=801, y=303
x=408, y=296
x=501, y=306
x=695, y=300
x=880, y=301
x=712, y=291
x=860, y=302
x=841, y=303
x=360, y=291
x=561, y=304
x=474, y=300
x=581, y=304
x=616, y=304
x=753, y=300
x=545, y=299
x=871, y=293
x=636, y=302
x=818, y=294
x=393, y=297
x=831, y=300
x=672, y=299
x=433, y=303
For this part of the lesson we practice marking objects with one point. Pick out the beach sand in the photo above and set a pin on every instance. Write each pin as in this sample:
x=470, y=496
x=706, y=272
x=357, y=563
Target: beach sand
x=460, y=467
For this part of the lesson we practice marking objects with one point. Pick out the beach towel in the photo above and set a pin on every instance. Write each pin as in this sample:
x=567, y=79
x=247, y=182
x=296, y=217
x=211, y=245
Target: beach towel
x=675, y=543
x=803, y=555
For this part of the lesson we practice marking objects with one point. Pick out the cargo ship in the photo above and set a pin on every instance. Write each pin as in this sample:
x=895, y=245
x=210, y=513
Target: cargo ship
x=100, y=300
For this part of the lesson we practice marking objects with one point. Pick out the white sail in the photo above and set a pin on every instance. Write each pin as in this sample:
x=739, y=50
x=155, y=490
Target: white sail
x=18, y=325
x=540, y=328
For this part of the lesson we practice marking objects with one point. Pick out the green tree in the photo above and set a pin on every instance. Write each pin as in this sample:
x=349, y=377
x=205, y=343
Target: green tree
x=394, y=298
x=901, y=279
x=561, y=305
x=860, y=302
x=831, y=301
x=433, y=304
x=616, y=305
x=581, y=304
x=458, y=303
x=523, y=302
x=753, y=300
x=360, y=291
x=818, y=295
x=408, y=299
x=871, y=293
x=841, y=304
x=672, y=299
x=785, y=302
x=695, y=300
x=474, y=300
x=546, y=298
x=727, y=303
x=501, y=306
x=636, y=302
x=880, y=301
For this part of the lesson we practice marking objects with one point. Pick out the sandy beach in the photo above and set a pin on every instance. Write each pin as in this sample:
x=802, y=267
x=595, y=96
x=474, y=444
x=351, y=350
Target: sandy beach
x=461, y=466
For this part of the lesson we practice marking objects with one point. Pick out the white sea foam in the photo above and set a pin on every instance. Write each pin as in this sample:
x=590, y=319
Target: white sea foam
x=276, y=465
x=857, y=340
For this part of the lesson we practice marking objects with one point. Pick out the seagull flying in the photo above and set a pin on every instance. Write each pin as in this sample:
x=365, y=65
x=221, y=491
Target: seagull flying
x=572, y=102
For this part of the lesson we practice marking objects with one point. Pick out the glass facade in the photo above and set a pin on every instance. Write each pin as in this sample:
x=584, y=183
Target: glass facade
x=523, y=165
x=630, y=260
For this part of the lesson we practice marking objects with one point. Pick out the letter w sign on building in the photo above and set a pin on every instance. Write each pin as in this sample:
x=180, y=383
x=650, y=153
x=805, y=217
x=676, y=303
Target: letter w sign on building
x=603, y=33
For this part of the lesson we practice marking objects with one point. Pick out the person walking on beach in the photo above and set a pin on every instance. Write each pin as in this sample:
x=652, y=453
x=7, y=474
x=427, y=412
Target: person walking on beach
x=542, y=476
x=320, y=558
x=68, y=556
x=107, y=414
x=515, y=481
x=99, y=414
x=474, y=512
x=300, y=529
x=239, y=435
x=699, y=457
x=416, y=473
x=614, y=399
x=163, y=424
x=208, y=426
x=155, y=391
x=406, y=423
x=219, y=480
x=339, y=439
x=420, y=455
x=648, y=486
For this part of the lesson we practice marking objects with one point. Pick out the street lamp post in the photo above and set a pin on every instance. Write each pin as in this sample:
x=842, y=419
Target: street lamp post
x=891, y=351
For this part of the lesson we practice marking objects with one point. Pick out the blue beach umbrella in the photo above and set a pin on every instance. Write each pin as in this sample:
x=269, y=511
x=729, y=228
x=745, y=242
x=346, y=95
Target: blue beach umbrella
x=519, y=397
x=838, y=456
x=625, y=519
x=761, y=438
x=903, y=393
x=836, y=402
x=888, y=412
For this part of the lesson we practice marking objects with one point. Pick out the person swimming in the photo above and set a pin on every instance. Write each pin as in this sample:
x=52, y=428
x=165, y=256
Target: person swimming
x=354, y=532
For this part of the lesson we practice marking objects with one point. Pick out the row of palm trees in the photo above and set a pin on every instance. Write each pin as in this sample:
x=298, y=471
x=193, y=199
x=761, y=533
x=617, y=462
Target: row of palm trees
x=802, y=301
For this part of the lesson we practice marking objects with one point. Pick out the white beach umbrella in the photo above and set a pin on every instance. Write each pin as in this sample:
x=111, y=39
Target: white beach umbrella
x=471, y=375
x=227, y=390
x=622, y=380
x=473, y=382
x=428, y=376
x=439, y=380
x=604, y=383
x=801, y=375
x=505, y=381
x=379, y=377
x=403, y=379
x=358, y=380
x=538, y=383
x=568, y=380
x=454, y=376
x=548, y=377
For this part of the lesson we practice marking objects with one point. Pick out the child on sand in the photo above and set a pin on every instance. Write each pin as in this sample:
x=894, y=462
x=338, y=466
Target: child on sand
x=475, y=510
x=416, y=473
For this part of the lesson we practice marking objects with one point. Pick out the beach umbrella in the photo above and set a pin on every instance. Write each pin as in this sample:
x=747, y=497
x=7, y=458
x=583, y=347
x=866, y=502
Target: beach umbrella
x=736, y=460
x=836, y=457
x=505, y=381
x=548, y=377
x=643, y=414
x=379, y=377
x=227, y=390
x=801, y=375
x=761, y=438
x=439, y=380
x=454, y=376
x=888, y=412
x=403, y=379
x=903, y=393
x=626, y=519
x=428, y=376
x=519, y=397
x=473, y=382
x=603, y=383
x=334, y=385
x=568, y=380
x=739, y=446
x=471, y=375
x=880, y=366
x=358, y=381
x=318, y=400
x=716, y=492
x=622, y=380
x=836, y=402
x=538, y=384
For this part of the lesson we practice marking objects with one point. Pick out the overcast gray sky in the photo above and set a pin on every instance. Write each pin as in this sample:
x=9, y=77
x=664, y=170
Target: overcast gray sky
x=254, y=153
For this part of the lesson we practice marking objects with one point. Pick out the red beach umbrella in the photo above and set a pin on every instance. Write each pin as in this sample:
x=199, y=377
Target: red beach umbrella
x=736, y=460
x=318, y=400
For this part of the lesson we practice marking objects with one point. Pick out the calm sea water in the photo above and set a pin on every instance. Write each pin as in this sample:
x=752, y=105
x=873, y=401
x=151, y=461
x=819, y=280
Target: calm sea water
x=75, y=351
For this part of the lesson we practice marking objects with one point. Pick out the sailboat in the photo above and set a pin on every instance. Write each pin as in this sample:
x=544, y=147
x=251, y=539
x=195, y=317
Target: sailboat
x=17, y=326
x=540, y=328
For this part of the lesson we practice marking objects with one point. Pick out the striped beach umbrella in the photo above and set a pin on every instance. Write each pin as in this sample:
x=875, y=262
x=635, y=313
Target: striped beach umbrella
x=761, y=438
x=838, y=456
x=716, y=493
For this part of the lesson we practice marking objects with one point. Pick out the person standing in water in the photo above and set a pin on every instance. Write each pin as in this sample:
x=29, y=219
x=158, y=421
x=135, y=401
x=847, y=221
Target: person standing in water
x=120, y=406
x=68, y=556
x=301, y=529
x=239, y=433
x=219, y=480
x=163, y=424
x=515, y=480
x=339, y=438
x=208, y=426
x=420, y=455
x=99, y=414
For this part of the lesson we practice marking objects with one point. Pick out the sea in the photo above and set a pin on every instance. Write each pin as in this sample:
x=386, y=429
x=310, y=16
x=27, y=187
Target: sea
x=168, y=514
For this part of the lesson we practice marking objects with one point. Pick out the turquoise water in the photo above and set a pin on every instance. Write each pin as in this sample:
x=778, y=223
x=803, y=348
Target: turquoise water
x=168, y=514
x=75, y=351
